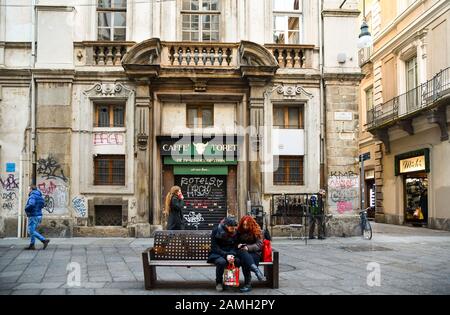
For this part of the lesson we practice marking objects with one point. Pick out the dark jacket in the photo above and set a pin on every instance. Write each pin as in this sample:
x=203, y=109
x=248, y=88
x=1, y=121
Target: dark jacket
x=317, y=206
x=253, y=243
x=175, y=221
x=222, y=243
x=34, y=204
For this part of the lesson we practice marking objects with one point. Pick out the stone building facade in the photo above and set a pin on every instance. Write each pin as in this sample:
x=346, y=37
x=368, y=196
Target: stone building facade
x=404, y=112
x=107, y=105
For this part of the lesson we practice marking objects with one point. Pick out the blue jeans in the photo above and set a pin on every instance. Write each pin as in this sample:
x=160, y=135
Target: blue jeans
x=33, y=223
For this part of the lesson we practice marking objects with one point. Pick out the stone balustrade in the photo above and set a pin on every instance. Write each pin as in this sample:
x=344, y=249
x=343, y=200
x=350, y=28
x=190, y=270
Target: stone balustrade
x=101, y=53
x=199, y=54
x=292, y=56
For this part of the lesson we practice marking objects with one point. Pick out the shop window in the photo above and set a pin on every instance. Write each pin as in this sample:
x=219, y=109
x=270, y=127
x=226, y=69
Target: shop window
x=200, y=116
x=288, y=117
x=109, y=115
x=200, y=20
x=287, y=21
x=108, y=215
x=416, y=195
x=290, y=171
x=112, y=18
x=109, y=170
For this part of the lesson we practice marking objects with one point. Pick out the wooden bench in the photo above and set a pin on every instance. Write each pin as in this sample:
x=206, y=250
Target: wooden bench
x=190, y=249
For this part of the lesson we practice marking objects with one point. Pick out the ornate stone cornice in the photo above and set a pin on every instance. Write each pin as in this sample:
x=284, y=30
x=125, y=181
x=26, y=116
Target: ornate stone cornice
x=292, y=91
x=117, y=90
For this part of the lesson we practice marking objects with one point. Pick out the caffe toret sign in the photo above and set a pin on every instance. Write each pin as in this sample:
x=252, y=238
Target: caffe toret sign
x=411, y=162
x=200, y=150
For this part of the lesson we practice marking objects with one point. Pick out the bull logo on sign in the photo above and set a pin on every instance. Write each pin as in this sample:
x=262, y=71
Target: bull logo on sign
x=200, y=147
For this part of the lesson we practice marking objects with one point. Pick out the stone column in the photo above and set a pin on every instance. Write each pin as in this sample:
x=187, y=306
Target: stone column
x=256, y=123
x=143, y=136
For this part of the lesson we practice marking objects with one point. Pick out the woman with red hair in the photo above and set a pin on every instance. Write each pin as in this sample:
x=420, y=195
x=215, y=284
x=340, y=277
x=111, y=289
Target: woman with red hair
x=250, y=240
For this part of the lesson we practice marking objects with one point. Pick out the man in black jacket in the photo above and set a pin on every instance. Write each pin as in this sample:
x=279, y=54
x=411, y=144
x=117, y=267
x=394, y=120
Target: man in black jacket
x=223, y=248
x=317, y=215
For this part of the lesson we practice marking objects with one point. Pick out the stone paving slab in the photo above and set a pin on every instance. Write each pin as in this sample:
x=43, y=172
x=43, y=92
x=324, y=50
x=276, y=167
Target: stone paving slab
x=411, y=261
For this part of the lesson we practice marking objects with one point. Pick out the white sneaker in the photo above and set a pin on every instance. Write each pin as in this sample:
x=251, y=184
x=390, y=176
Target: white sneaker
x=219, y=287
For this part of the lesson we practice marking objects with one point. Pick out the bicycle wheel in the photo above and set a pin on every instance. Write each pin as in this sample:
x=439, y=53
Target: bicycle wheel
x=367, y=232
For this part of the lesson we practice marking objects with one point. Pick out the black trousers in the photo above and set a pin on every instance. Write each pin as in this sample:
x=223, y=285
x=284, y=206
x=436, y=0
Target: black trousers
x=247, y=259
x=221, y=263
x=312, y=225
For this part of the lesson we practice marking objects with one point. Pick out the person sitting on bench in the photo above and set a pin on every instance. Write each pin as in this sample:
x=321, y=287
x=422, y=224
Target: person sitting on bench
x=250, y=242
x=223, y=248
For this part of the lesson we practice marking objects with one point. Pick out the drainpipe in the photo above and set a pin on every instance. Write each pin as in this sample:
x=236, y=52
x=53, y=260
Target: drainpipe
x=21, y=219
x=33, y=92
x=322, y=98
x=20, y=211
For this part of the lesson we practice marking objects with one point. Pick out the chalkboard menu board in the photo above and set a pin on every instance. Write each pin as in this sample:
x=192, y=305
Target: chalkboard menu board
x=205, y=198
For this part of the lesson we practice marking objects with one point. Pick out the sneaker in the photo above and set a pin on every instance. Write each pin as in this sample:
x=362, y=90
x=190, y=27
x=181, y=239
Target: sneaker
x=31, y=247
x=321, y=238
x=246, y=288
x=312, y=237
x=45, y=243
x=219, y=287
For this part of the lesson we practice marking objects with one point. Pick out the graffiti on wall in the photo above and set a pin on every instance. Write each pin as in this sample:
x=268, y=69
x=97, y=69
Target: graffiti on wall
x=55, y=195
x=108, y=138
x=49, y=168
x=9, y=194
x=200, y=186
x=193, y=219
x=343, y=191
x=79, y=204
x=9, y=183
x=53, y=184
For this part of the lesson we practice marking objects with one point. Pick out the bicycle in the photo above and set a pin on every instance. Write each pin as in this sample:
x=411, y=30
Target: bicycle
x=366, y=228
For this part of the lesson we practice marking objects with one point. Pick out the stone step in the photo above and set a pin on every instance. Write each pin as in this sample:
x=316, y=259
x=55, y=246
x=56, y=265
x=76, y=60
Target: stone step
x=101, y=231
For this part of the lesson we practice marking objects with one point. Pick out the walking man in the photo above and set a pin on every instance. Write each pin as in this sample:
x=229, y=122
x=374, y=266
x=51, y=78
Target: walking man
x=317, y=215
x=33, y=210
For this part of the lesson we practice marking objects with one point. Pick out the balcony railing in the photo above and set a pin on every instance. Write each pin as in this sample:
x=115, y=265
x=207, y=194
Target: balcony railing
x=411, y=102
x=101, y=53
x=192, y=54
x=292, y=56
x=199, y=54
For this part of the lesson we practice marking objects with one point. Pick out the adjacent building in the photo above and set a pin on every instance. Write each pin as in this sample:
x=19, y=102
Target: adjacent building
x=404, y=111
x=243, y=103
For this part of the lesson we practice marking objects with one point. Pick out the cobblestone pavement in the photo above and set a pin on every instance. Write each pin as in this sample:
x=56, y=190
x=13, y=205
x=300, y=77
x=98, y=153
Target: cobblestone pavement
x=411, y=261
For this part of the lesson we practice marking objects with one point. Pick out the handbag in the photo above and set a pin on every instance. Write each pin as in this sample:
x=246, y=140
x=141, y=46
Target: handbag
x=267, y=251
x=231, y=276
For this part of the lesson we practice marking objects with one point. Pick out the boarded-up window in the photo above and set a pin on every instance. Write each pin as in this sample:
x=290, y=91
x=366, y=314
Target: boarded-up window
x=288, y=117
x=389, y=80
x=290, y=171
x=109, y=170
x=107, y=115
